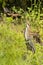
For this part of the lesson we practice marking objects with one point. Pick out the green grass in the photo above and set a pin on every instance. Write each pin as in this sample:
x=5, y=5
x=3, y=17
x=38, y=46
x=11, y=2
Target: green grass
x=13, y=50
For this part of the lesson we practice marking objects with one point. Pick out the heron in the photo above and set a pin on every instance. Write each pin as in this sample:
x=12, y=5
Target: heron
x=29, y=43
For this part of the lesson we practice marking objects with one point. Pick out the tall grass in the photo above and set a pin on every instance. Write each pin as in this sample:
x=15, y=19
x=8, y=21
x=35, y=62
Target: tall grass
x=13, y=50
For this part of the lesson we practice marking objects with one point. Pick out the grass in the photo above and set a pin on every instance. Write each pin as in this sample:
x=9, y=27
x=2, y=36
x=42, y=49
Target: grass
x=13, y=50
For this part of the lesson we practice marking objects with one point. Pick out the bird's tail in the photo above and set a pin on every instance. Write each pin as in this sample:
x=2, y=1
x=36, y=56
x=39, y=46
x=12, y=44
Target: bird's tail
x=30, y=46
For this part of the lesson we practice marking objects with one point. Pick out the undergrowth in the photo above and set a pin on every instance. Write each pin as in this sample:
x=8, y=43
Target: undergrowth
x=13, y=49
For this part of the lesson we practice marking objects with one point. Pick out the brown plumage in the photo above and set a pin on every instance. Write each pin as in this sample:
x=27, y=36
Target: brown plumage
x=29, y=35
x=34, y=35
x=37, y=37
x=28, y=38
